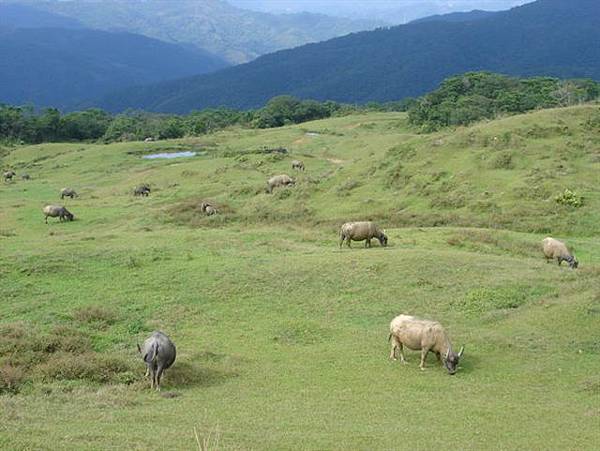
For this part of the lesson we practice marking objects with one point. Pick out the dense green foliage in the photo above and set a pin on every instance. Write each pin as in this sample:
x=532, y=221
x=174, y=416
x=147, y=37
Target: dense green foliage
x=282, y=337
x=459, y=100
x=555, y=38
x=24, y=124
x=474, y=96
x=65, y=68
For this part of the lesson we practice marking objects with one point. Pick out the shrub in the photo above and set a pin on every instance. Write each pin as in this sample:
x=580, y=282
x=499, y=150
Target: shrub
x=502, y=160
x=570, y=198
x=347, y=186
x=10, y=378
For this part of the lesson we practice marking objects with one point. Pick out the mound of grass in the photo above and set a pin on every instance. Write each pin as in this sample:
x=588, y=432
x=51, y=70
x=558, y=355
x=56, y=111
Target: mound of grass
x=28, y=354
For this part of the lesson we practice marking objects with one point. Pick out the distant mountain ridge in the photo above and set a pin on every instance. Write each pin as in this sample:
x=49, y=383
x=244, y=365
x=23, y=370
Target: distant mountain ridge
x=548, y=37
x=475, y=14
x=62, y=67
x=232, y=33
x=14, y=15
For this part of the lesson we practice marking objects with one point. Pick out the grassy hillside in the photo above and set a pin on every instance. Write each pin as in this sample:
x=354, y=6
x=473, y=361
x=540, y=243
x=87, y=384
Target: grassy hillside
x=282, y=336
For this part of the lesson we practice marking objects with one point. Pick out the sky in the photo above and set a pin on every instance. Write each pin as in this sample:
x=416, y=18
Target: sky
x=396, y=11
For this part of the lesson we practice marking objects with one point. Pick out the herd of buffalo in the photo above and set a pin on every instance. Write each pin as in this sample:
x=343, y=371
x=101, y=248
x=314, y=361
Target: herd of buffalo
x=159, y=352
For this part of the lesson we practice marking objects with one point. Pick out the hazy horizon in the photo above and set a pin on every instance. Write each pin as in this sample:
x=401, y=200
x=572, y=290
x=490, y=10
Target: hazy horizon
x=393, y=11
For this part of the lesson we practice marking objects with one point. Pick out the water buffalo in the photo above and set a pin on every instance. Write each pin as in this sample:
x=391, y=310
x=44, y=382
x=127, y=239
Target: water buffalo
x=554, y=249
x=8, y=175
x=279, y=181
x=57, y=211
x=424, y=335
x=158, y=352
x=362, y=230
x=298, y=165
x=68, y=192
x=142, y=190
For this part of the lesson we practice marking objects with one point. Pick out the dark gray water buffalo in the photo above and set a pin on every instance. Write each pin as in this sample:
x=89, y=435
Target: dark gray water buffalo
x=142, y=190
x=362, y=231
x=158, y=352
x=68, y=192
x=8, y=175
x=57, y=211
x=424, y=335
x=298, y=165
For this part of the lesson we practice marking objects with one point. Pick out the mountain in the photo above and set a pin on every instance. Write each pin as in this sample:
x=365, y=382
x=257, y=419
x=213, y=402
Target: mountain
x=548, y=37
x=233, y=33
x=61, y=67
x=391, y=11
x=476, y=14
x=14, y=15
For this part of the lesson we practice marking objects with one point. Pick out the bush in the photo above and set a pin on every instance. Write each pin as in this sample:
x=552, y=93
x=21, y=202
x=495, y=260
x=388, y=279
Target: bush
x=570, y=198
x=10, y=378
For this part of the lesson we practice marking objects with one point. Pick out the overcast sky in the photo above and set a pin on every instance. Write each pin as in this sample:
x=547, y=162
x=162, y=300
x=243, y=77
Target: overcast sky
x=397, y=11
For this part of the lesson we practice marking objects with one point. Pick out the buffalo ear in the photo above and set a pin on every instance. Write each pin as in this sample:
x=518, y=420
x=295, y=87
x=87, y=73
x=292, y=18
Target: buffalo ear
x=460, y=353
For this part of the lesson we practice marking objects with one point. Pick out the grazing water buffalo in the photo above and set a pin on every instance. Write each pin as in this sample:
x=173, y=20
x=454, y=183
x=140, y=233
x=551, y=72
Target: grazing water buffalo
x=158, y=352
x=8, y=175
x=424, y=335
x=278, y=181
x=554, y=249
x=68, y=192
x=57, y=211
x=362, y=230
x=142, y=190
x=298, y=165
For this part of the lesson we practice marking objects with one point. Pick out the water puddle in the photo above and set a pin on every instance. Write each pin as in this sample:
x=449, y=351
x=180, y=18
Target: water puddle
x=169, y=155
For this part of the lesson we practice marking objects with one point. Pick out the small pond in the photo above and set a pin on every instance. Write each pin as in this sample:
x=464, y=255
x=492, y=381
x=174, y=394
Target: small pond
x=169, y=155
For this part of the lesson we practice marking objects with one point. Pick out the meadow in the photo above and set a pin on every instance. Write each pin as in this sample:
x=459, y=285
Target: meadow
x=281, y=335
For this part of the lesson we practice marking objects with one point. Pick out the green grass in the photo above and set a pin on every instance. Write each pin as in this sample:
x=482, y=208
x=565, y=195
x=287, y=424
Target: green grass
x=282, y=336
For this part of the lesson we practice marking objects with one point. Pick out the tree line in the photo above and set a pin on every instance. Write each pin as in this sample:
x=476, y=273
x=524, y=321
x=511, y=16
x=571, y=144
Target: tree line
x=474, y=96
x=26, y=125
x=459, y=100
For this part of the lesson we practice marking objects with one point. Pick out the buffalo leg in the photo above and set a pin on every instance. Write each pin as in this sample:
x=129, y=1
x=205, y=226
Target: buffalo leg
x=395, y=344
x=424, y=353
x=46, y=219
x=401, y=347
x=159, y=372
x=152, y=377
x=342, y=238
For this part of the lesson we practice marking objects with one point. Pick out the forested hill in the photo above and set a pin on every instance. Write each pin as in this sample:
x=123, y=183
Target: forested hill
x=63, y=67
x=547, y=37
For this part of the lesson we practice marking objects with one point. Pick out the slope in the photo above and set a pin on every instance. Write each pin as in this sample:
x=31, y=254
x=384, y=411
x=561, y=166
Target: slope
x=271, y=317
x=62, y=67
x=547, y=37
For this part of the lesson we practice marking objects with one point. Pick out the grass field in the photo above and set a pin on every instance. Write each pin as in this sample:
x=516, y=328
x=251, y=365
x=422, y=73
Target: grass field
x=281, y=335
